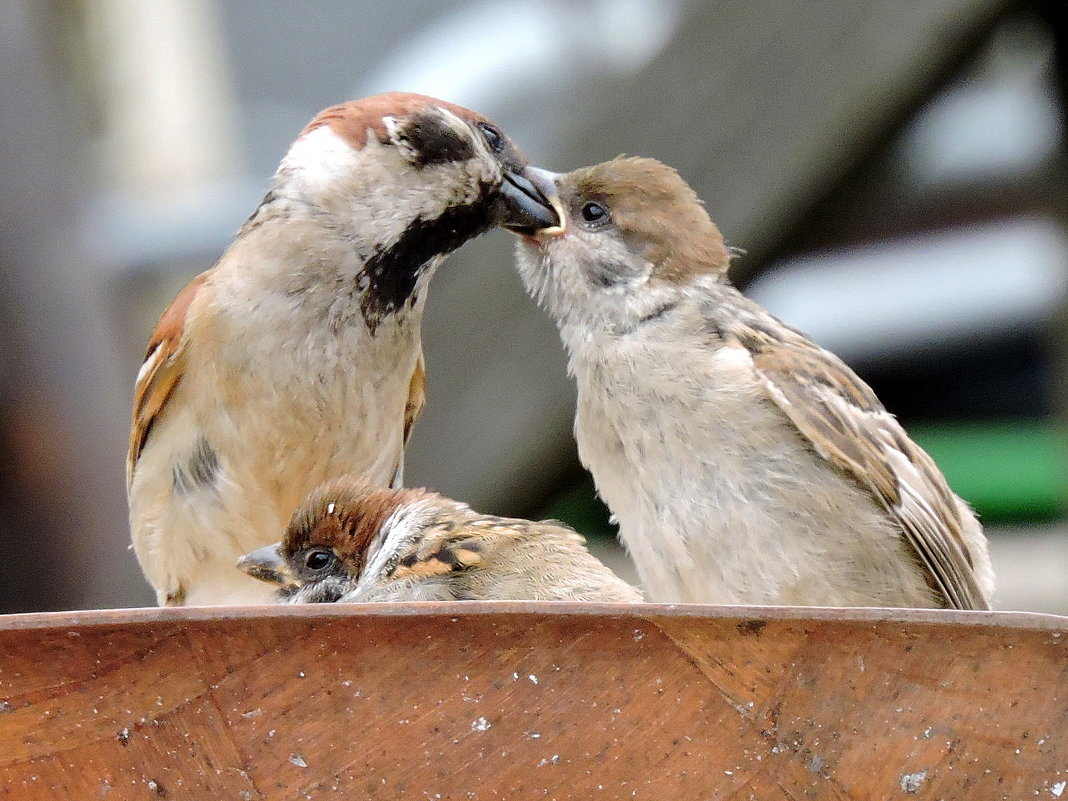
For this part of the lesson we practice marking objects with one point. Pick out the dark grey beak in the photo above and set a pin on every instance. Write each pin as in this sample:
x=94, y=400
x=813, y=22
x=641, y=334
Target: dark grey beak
x=528, y=201
x=267, y=564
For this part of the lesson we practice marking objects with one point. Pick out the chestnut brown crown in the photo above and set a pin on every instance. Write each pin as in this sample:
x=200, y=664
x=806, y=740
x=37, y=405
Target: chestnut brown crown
x=422, y=131
x=656, y=213
x=343, y=516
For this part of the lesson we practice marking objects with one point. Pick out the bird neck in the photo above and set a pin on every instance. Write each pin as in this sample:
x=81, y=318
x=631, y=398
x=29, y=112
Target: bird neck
x=626, y=315
x=330, y=270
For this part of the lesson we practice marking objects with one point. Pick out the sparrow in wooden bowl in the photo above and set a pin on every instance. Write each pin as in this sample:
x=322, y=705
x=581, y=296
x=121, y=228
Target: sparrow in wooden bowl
x=297, y=357
x=351, y=541
x=743, y=463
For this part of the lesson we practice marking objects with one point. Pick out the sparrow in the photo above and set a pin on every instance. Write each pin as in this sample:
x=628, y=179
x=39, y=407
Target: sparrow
x=743, y=463
x=352, y=541
x=297, y=357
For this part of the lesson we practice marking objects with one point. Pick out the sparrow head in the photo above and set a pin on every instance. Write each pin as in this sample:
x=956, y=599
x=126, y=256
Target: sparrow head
x=402, y=159
x=345, y=529
x=400, y=180
x=632, y=234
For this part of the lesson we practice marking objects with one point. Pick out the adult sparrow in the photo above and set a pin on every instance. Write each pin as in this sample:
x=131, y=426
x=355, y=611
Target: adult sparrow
x=297, y=357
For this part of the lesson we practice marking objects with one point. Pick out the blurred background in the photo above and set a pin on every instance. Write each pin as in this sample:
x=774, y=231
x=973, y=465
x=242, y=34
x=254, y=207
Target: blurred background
x=895, y=171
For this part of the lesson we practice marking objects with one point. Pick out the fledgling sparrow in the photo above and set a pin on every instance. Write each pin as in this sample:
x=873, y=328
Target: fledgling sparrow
x=297, y=356
x=354, y=542
x=743, y=463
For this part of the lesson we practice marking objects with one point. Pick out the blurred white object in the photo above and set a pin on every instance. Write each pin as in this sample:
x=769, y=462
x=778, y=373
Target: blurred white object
x=168, y=105
x=926, y=290
x=1002, y=119
x=525, y=50
x=1032, y=568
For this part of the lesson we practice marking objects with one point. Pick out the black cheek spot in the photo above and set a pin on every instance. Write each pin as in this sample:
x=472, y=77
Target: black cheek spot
x=254, y=220
x=434, y=142
x=714, y=329
x=446, y=556
x=608, y=274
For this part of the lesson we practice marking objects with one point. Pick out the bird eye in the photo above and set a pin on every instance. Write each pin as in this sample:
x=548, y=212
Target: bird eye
x=318, y=559
x=594, y=213
x=494, y=138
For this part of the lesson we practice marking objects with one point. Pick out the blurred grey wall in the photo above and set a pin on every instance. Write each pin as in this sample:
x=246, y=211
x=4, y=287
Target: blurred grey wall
x=822, y=136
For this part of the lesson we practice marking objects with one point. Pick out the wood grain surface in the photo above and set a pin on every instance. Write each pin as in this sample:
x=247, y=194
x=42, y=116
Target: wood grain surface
x=524, y=700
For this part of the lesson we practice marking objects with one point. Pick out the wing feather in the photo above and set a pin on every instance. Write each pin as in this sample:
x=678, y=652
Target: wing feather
x=416, y=397
x=454, y=548
x=412, y=409
x=847, y=425
x=161, y=372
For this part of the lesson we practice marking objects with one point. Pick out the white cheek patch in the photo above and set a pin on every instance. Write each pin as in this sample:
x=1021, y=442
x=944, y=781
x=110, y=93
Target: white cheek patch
x=316, y=159
x=374, y=192
x=635, y=281
x=403, y=146
x=607, y=263
x=400, y=528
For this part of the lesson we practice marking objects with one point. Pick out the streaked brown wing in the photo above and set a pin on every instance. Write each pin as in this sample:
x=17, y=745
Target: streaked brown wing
x=847, y=425
x=444, y=550
x=161, y=372
x=413, y=407
x=416, y=397
x=477, y=542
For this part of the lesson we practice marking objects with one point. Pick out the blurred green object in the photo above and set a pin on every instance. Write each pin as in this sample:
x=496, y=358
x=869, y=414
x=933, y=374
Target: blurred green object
x=579, y=507
x=1010, y=471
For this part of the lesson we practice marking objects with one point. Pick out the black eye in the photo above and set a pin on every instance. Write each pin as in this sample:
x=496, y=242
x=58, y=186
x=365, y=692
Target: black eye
x=318, y=559
x=594, y=213
x=494, y=138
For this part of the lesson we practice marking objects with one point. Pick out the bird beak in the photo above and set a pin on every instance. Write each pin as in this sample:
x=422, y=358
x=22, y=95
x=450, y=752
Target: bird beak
x=267, y=564
x=531, y=204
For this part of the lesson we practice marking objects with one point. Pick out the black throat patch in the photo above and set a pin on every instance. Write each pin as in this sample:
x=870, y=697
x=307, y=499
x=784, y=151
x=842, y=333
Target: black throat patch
x=392, y=273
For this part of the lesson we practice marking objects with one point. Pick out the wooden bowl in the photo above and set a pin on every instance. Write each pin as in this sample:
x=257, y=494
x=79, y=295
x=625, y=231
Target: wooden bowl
x=532, y=700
